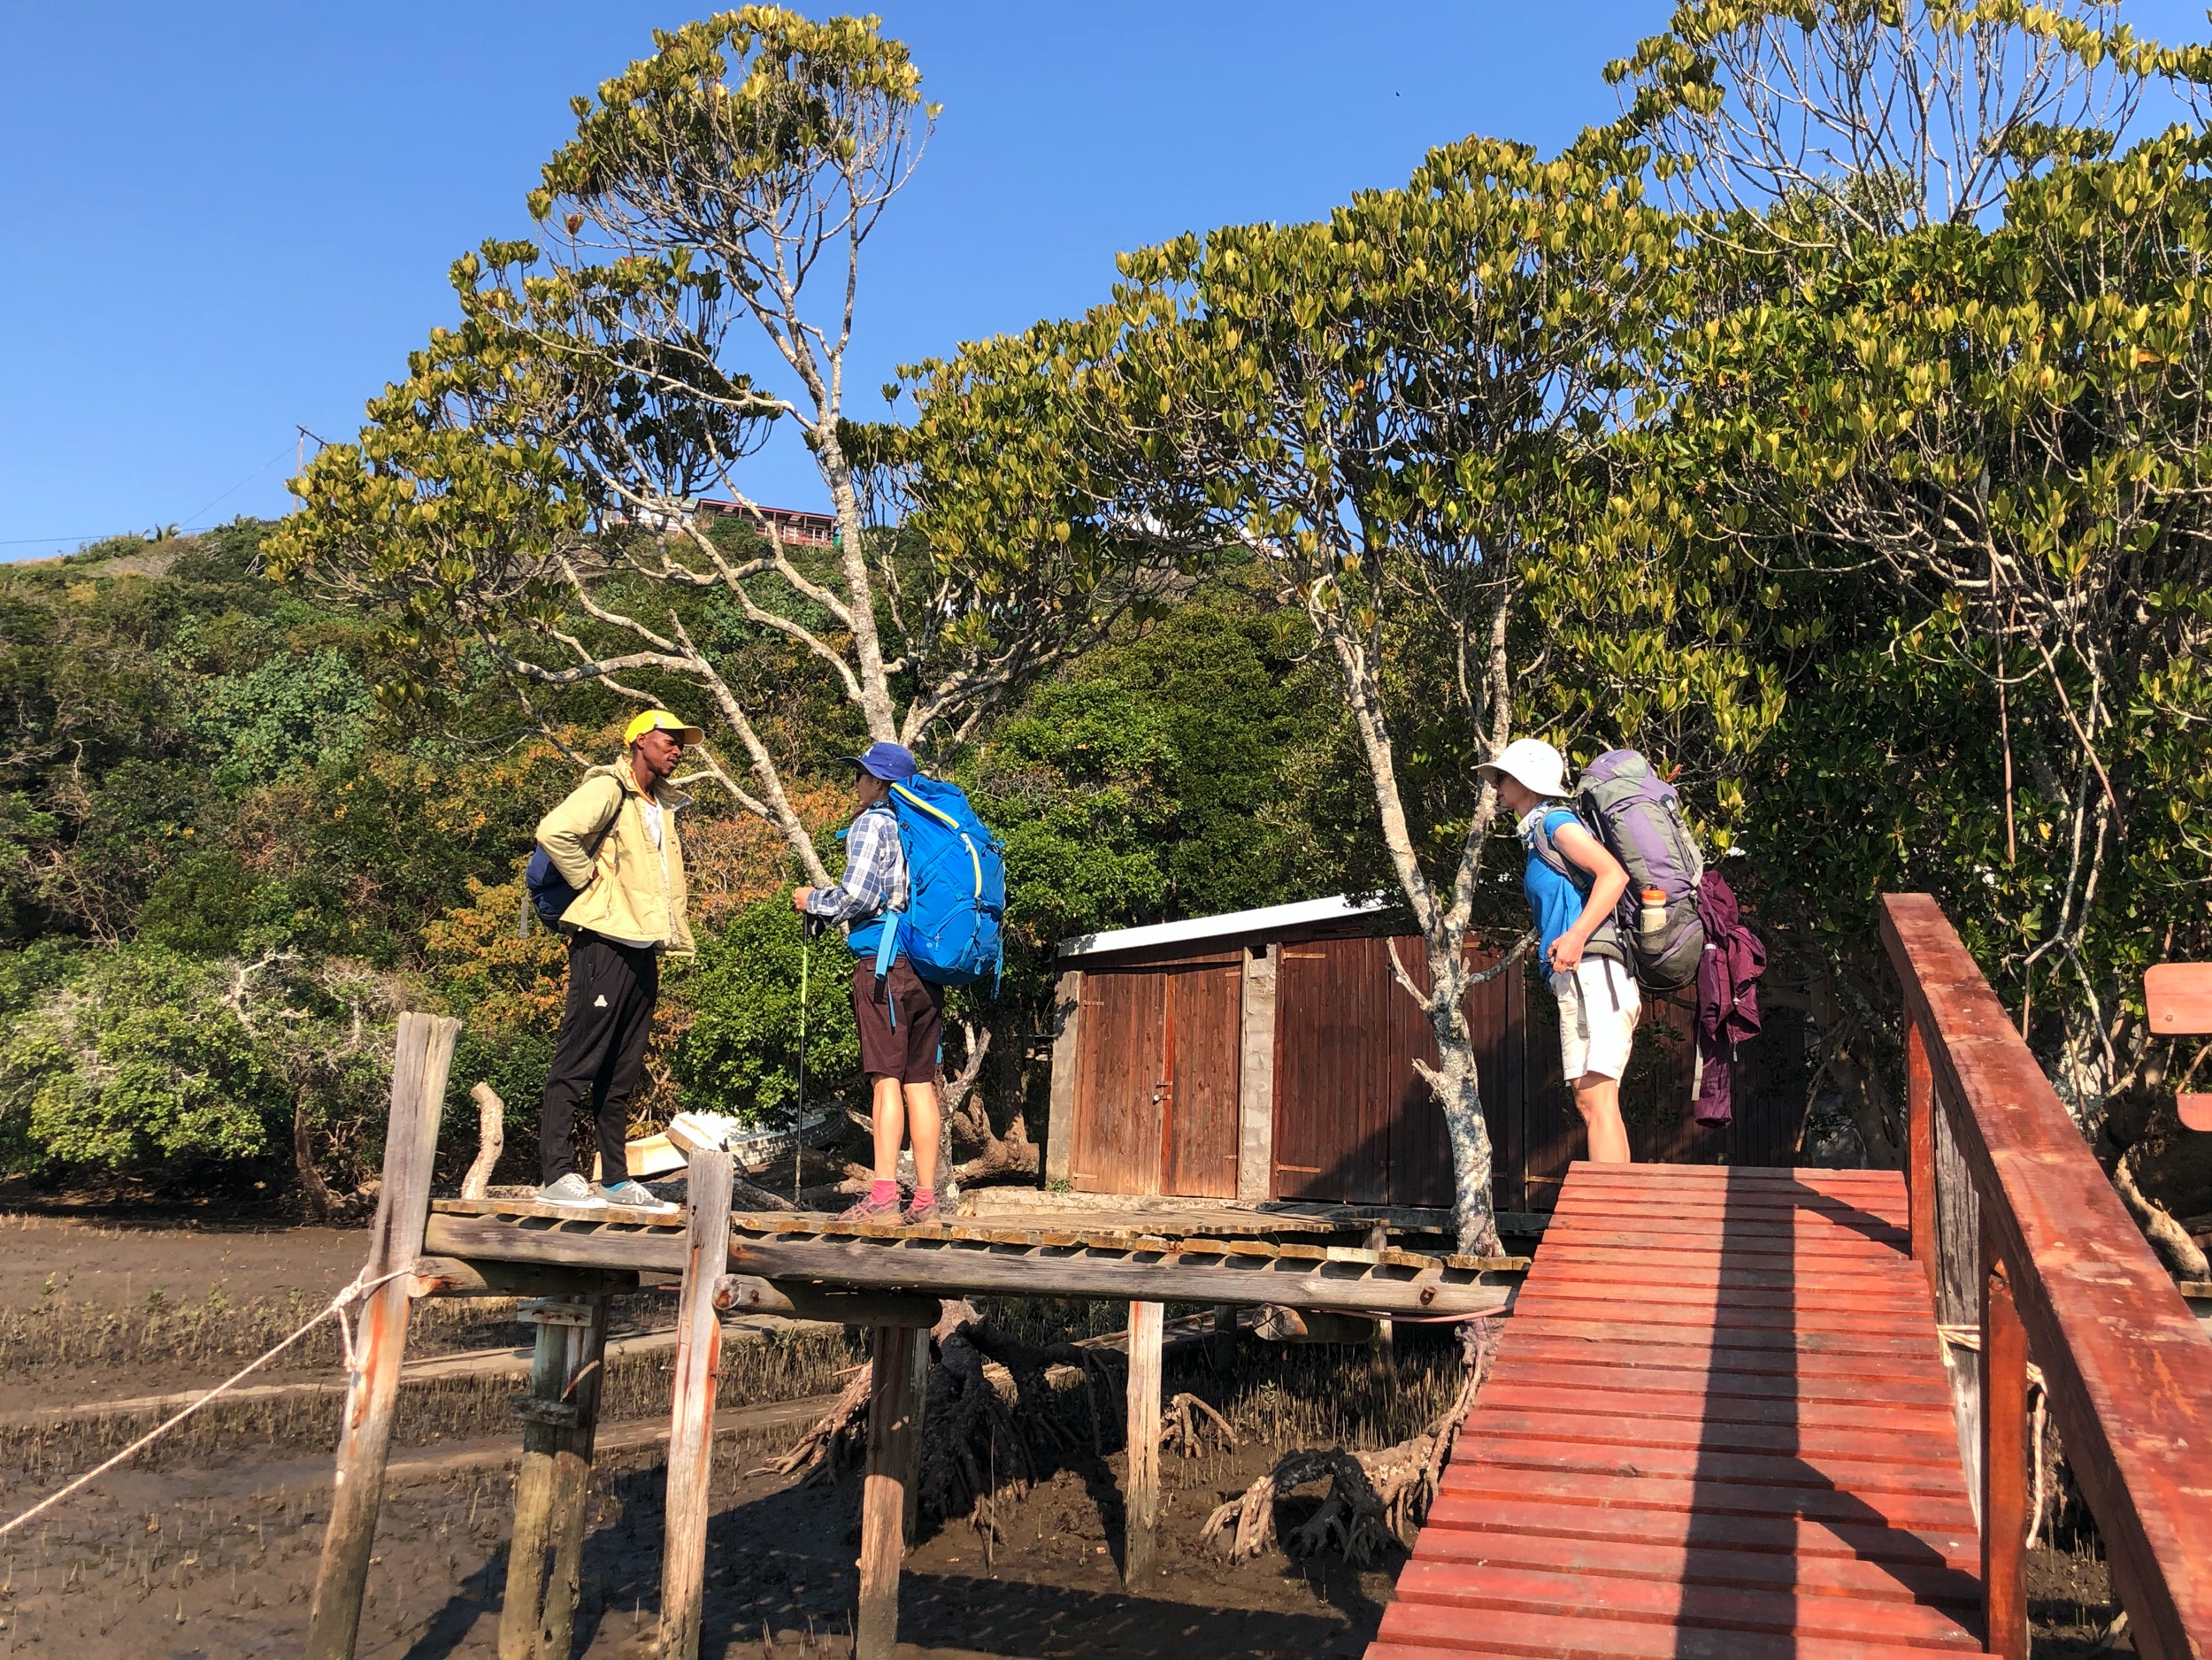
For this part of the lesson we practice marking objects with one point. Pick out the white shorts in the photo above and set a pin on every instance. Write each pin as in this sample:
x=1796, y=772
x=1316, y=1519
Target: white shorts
x=1598, y=1007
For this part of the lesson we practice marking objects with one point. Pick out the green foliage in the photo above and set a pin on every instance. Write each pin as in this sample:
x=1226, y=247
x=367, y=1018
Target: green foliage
x=741, y=1051
x=290, y=711
x=1162, y=778
x=136, y=1062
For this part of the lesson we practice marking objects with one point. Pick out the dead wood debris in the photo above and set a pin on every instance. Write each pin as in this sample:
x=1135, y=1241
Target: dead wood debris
x=989, y=1409
x=1183, y=1425
x=1374, y=1498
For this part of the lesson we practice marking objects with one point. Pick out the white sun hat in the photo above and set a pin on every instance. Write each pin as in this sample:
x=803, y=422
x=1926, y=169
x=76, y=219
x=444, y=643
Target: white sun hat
x=1534, y=763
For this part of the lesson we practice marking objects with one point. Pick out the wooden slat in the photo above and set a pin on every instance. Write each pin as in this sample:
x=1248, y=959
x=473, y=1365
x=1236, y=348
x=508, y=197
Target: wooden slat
x=1814, y=1443
x=1956, y=1548
x=1842, y=1572
x=1612, y=1595
x=1654, y=1407
x=1757, y=1478
x=1588, y=1368
x=1502, y=1632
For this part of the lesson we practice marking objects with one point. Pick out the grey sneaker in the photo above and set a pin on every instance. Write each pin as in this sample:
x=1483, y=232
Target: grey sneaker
x=869, y=1210
x=632, y=1198
x=572, y=1192
x=929, y=1215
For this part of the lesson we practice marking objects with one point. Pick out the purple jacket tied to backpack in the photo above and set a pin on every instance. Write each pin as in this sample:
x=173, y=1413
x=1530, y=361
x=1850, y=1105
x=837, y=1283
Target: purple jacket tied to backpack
x=1727, y=996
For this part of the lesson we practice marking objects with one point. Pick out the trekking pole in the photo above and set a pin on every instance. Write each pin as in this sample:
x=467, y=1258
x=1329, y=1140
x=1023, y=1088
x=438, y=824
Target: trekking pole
x=798, y=1116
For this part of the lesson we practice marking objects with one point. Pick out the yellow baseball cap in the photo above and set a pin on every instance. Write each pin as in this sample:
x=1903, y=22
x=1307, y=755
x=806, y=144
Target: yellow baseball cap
x=661, y=720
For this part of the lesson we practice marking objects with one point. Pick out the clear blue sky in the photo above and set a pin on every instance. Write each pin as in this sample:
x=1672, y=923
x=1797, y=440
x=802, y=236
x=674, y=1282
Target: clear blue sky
x=226, y=220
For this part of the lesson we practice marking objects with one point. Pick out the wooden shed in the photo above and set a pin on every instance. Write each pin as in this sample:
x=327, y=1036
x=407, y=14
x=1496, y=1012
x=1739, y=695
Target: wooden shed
x=1270, y=1055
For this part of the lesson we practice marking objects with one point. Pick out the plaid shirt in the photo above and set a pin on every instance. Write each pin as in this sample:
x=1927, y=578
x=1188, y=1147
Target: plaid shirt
x=875, y=872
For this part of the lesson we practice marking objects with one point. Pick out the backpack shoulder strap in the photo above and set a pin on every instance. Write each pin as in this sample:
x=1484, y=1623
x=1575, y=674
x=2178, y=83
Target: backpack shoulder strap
x=1538, y=841
x=614, y=812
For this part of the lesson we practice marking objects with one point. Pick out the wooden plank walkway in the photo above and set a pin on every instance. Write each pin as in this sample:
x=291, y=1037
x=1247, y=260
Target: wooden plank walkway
x=1718, y=1426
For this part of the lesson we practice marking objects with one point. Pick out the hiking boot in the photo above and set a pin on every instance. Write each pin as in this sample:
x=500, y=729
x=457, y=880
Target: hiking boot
x=927, y=1213
x=572, y=1192
x=871, y=1210
x=634, y=1199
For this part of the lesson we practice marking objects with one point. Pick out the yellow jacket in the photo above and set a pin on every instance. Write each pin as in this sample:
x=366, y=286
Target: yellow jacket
x=633, y=892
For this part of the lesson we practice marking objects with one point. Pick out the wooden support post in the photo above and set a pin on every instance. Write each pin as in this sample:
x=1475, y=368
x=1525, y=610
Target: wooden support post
x=894, y=1429
x=917, y=1386
x=1224, y=1343
x=1920, y=1158
x=1067, y=1011
x=571, y=1503
x=2004, y=1380
x=1379, y=1357
x=691, y=1415
x=560, y=1414
x=1141, y=1501
x=423, y=1056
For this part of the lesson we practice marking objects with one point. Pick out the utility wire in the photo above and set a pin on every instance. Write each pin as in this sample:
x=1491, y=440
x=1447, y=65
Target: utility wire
x=184, y=529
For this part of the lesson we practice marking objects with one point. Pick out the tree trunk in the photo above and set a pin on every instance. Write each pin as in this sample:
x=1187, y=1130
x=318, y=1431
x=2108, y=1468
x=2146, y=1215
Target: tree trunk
x=315, y=1193
x=1459, y=1093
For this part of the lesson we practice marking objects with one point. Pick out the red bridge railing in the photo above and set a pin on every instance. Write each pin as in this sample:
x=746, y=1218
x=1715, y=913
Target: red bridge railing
x=2022, y=1237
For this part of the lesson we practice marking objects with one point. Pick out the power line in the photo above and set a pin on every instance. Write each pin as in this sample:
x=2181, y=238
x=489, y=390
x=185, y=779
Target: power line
x=182, y=530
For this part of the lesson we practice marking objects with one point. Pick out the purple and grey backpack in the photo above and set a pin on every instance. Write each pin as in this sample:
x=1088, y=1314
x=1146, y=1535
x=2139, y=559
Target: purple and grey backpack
x=1638, y=816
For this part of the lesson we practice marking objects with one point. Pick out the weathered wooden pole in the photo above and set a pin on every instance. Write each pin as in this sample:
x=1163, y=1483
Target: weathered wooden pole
x=2004, y=1380
x=691, y=1417
x=559, y=1415
x=420, y=1064
x=895, y=1413
x=572, y=1448
x=1380, y=1356
x=1142, y=1501
x=917, y=1386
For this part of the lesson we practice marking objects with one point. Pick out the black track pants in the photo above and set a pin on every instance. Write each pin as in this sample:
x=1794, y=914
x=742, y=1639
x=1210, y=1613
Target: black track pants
x=600, y=1053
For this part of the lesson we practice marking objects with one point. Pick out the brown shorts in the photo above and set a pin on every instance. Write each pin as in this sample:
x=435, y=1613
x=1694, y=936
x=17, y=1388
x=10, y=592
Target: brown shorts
x=907, y=1051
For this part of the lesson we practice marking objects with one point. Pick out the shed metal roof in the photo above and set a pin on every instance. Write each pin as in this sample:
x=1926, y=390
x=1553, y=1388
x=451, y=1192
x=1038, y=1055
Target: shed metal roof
x=1266, y=919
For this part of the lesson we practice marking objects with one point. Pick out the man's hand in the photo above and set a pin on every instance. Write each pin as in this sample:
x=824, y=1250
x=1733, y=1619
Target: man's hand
x=799, y=896
x=1566, y=953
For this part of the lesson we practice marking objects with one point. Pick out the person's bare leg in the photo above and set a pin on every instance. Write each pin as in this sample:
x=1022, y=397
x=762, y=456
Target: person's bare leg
x=889, y=1114
x=921, y=1116
x=1598, y=1098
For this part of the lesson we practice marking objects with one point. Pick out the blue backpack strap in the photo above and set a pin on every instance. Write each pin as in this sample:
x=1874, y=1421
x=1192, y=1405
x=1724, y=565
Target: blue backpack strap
x=887, y=953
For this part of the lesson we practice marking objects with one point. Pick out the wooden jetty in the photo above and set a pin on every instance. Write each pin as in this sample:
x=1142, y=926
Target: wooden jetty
x=1717, y=1427
x=567, y=1265
x=1773, y=1451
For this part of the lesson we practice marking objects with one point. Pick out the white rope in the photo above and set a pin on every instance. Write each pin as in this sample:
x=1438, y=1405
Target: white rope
x=337, y=1308
x=1971, y=1337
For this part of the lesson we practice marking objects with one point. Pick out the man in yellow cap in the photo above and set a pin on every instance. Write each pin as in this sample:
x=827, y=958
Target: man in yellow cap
x=614, y=841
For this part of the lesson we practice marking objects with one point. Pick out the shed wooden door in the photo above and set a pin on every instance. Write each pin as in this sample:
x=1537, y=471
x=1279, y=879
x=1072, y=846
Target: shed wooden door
x=1157, y=1070
x=1354, y=1124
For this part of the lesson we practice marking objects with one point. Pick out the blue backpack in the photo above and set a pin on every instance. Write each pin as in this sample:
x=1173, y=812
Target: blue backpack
x=956, y=880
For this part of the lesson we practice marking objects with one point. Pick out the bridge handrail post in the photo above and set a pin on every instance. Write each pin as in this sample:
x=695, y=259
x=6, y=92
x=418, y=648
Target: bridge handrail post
x=2004, y=1506
x=1920, y=1160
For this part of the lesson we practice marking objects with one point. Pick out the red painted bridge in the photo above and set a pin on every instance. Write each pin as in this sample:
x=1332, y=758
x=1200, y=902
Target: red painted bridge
x=1750, y=1452
x=1720, y=1425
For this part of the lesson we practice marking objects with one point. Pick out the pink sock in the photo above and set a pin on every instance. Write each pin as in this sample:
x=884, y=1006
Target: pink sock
x=923, y=1196
x=884, y=1193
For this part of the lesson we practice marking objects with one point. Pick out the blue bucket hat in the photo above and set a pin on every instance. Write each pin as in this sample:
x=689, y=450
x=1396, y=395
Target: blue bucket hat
x=893, y=762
